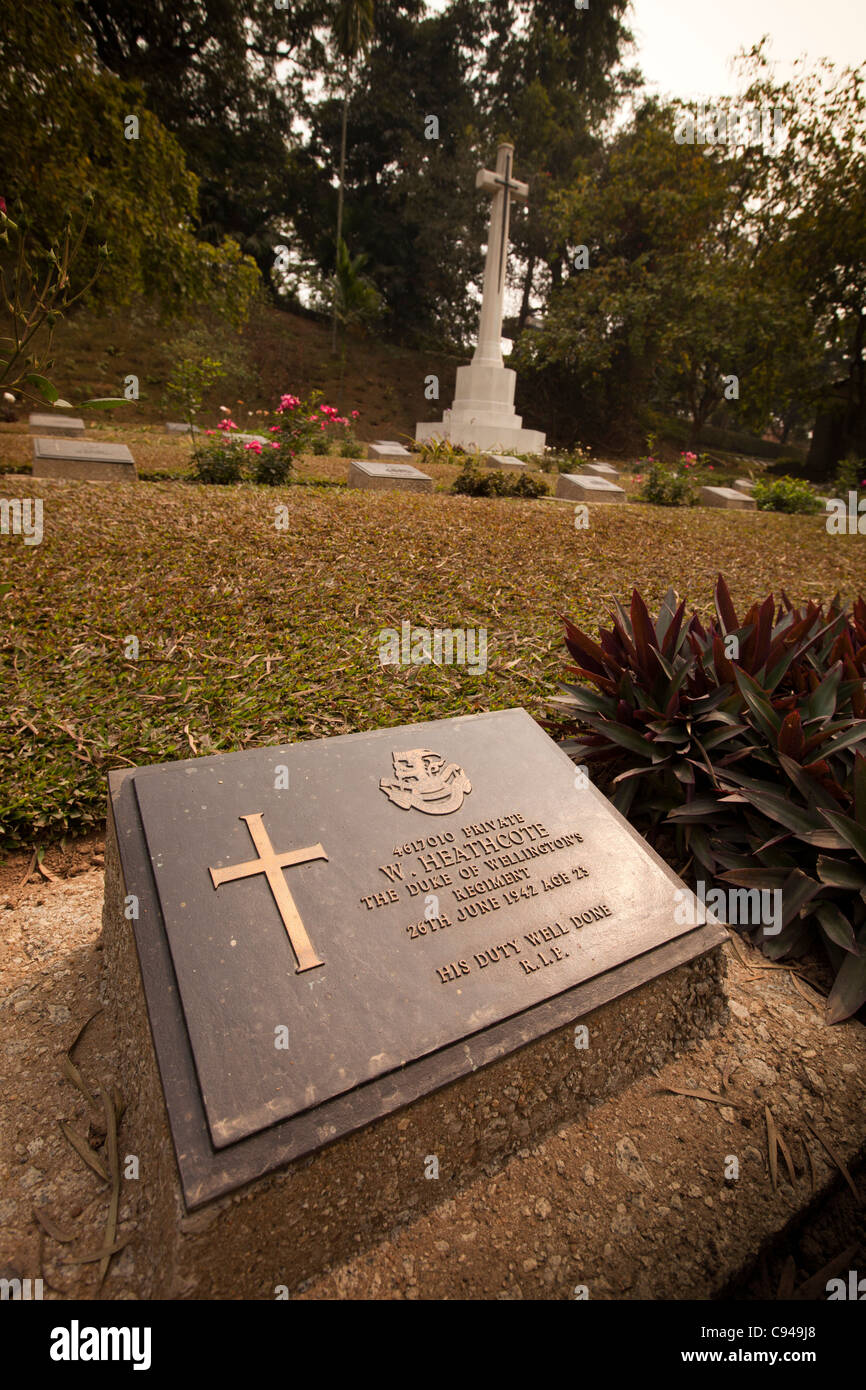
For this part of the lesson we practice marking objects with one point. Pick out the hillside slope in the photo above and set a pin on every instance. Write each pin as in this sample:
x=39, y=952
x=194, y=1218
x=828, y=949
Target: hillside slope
x=275, y=352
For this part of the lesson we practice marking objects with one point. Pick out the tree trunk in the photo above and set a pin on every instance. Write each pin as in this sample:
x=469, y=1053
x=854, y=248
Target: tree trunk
x=527, y=291
x=340, y=197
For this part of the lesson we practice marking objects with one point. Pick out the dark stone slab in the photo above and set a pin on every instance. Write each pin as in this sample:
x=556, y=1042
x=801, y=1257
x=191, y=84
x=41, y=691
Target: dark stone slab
x=552, y=905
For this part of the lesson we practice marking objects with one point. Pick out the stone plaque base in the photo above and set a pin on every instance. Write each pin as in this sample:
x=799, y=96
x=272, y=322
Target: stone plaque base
x=388, y=476
x=64, y=426
x=588, y=487
x=84, y=471
x=728, y=497
x=331, y=1197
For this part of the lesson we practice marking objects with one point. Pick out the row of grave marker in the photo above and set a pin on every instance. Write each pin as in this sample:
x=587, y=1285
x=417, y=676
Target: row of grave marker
x=75, y=458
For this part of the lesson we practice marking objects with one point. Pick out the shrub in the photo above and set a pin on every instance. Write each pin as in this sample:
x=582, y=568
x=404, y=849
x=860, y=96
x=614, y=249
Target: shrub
x=528, y=485
x=786, y=494
x=849, y=474
x=220, y=462
x=442, y=451
x=472, y=481
x=565, y=460
x=664, y=487
x=748, y=740
x=272, y=466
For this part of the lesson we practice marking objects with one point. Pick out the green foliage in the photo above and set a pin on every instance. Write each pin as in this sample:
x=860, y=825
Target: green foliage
x=786, y=494
x=565, y=460
x=36, y=295
x=190, y=380
x=219, y=461
x=443, y=451
x=350, y=295
x=850, y=473
x=473, y=481
x=749, y=738
x=63, y=126
x=665, y=487
x=272, y=466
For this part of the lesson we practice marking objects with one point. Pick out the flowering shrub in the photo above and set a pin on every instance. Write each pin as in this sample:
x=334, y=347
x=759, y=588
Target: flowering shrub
x=666, y=487
x=302, y=425
x=300, y=428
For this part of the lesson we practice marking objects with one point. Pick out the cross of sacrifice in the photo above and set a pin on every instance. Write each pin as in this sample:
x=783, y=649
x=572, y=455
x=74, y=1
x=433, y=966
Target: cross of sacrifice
x=503, y=189
x=272, y=865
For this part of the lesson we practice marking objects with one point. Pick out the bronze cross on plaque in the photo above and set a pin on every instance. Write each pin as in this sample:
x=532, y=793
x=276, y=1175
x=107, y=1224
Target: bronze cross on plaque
x=272, y=865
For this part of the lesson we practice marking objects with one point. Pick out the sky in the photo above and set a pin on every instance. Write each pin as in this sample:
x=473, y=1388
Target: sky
x=685, y=47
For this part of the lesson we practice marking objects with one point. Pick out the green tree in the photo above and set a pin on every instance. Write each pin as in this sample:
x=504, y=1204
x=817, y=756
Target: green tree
x=225, y=78
x=65, y=136
x=354, y=24
x=809, y=217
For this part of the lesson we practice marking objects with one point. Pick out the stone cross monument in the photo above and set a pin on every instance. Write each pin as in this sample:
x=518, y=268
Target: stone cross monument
x=482, y=415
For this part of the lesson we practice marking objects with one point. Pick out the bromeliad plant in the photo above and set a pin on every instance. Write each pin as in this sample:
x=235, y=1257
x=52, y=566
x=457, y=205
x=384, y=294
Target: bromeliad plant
x=748, y=739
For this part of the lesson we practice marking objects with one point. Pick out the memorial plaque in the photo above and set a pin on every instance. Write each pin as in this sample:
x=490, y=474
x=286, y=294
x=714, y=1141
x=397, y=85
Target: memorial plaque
x=57, y=424
x=728, y=497
x=181, y=427
x=402, y=476
x=604, y=470
x=388, y=449
x=401, y=897
x=588, y=487
x=82, y=460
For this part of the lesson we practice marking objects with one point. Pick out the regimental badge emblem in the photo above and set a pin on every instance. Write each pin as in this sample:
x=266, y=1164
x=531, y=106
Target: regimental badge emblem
x=424, y=781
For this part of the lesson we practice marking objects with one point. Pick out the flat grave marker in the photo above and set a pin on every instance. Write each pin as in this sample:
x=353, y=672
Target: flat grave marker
x=418, y=908
x=728, y=497
x=55, y=424
x=388, y=449
x=405, y=477
x=604, y=470
x=588, y=487
x=82, y=461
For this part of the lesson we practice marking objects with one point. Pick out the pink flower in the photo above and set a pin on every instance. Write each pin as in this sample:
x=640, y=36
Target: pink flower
x=638, y=477
x=254, y=445
x=3, y=206
x=710, y=466
x=355, y=414
x=274, y=429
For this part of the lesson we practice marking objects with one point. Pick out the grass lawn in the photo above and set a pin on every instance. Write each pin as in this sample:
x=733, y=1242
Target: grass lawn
x=249, y=635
